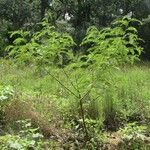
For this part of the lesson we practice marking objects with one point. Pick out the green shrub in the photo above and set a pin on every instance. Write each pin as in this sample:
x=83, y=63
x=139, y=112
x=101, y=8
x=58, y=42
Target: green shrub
x=46, y=46
x=107, y=49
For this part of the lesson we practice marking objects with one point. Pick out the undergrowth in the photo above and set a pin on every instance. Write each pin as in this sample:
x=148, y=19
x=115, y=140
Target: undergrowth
x=42, y=99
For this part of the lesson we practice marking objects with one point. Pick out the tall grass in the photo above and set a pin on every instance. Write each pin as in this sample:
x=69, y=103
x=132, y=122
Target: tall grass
x=127, y=97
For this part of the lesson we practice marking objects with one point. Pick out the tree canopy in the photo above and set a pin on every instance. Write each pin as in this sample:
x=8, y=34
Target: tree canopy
x=73, y=16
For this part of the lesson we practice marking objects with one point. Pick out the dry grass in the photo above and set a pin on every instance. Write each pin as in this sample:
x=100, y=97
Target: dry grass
x=21, y=110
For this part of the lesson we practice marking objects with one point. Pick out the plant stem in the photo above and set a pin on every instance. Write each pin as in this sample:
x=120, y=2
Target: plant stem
x=80, y=101
x=83, y=115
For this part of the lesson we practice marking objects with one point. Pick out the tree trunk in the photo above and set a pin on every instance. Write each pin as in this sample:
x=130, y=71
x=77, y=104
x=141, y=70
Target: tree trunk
x=44, y=6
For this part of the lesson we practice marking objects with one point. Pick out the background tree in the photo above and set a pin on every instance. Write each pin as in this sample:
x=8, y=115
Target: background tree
x=76, y=15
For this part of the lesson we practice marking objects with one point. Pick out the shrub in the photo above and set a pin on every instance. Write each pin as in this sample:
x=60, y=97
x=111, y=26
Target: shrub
x=107, y=50
x=42, y=47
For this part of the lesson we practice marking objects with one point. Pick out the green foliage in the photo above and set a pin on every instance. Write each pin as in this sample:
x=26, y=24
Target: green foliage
x=128, y=94
x=134, y=136
x=113, y=46
x=82, y=14
x=3, y=36
x=133, y=132
x=85, y=88
x=6, y=93
x=44, y=46
x=107, y=50
x=20, y=13
x=26, y=138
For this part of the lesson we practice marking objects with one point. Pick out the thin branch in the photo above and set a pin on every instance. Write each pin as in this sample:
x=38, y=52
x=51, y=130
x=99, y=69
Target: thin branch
x=71, y=82
x=78, y=97
x=83, y=113
x=62, y=84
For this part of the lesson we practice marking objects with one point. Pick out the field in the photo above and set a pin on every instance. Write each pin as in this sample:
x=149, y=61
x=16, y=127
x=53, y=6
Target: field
x=74, y=75
x=118, y=117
